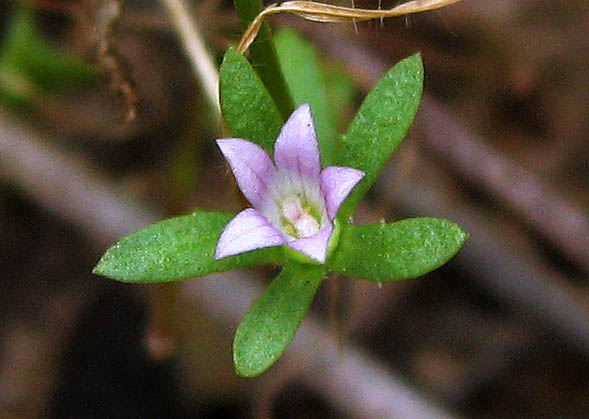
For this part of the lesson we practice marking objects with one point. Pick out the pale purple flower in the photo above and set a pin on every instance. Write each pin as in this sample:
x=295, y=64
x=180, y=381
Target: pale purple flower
x=294, y=201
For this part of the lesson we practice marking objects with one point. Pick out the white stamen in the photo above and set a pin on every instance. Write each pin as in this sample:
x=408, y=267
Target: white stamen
x=304, y=223
x=306, y=226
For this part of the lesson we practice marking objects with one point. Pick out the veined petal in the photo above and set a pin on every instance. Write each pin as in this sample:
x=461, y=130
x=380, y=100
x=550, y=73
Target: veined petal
x=296, y=150
x=252, y=167
x=314, y=246
x=336, y=184
x=249, y=230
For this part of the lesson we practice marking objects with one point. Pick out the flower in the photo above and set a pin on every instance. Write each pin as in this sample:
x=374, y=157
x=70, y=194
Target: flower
x=294, y=202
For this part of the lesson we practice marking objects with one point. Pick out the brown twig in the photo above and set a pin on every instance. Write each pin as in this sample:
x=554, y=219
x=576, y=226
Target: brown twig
x=67, y=185
x=108, y=14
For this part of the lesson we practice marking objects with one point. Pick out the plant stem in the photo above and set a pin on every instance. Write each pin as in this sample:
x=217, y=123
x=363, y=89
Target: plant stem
x=264, y=57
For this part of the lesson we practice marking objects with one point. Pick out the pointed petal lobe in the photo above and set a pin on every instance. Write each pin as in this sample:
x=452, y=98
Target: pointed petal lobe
x=296, y=149
x=336, y=184
x=252, y=167
x=314, y=246
x=249, y=230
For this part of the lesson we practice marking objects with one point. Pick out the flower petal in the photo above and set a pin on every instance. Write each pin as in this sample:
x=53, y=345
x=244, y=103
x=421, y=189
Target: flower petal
x=249, y=230
x=252, y=167
x=296, y=149
x=336, y=184
x=314, y=246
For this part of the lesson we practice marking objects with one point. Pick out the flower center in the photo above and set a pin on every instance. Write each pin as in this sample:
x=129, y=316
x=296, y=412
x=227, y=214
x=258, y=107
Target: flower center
x=298, y=218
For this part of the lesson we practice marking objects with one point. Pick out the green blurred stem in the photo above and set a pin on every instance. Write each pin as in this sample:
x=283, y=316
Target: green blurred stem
x=264, y=57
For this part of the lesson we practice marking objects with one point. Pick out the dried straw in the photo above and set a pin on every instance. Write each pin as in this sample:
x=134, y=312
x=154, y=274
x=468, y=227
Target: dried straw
x=327, y=13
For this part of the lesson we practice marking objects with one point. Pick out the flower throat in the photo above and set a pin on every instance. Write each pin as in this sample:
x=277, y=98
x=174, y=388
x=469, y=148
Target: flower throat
x=299, y=219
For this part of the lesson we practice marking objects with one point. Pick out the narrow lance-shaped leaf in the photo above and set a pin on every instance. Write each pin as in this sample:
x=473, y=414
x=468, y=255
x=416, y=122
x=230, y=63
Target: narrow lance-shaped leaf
x=264, y=57
x=248, y=108
x=341, y=91
x=271, y=322
x=303, y=74
x=381, y=123
x=402, y=250
x=176, y=249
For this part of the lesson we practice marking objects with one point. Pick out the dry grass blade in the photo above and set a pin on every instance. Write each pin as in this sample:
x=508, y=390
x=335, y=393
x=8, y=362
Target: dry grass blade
x=194, y=44
x=327, y=13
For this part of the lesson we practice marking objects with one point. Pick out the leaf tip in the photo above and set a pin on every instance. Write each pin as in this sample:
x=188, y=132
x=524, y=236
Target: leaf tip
x=243, y=364
x=97, y=270
x=415, y=62
x=105, y=268
x=465, y=235
x=461, y=234
x=416, y=58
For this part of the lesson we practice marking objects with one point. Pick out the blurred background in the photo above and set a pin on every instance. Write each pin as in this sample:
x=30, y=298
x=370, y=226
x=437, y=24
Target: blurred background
x=104, y=129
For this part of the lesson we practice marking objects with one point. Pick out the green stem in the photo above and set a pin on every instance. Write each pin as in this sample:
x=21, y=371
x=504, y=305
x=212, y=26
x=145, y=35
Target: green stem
x=264, y=57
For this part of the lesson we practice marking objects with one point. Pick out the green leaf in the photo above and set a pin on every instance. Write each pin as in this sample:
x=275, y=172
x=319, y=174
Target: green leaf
x=402, y=250
x=248, y=108
x=381, y=123
x=175, y=249
x=271, y=322
x=341, y=90
x=303, y=74
x=263, y=56
x=29, y=65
